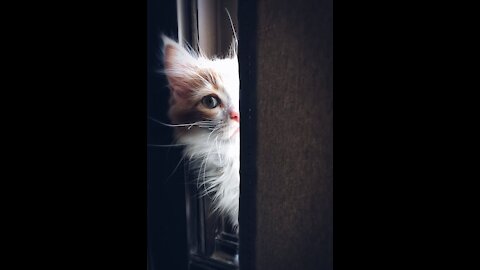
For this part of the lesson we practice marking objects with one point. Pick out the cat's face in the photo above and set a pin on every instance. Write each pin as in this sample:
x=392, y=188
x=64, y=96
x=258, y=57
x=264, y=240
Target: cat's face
x=204, y=92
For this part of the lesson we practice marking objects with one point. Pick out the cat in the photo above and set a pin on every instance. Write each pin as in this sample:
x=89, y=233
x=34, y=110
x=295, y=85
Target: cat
x=204, y=109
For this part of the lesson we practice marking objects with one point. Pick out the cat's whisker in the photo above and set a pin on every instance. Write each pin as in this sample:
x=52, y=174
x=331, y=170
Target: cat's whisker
x=176, y=167
x=233, y=28
x=189, y=125
x=203, y=164
x=165, y=145
x=215, y=129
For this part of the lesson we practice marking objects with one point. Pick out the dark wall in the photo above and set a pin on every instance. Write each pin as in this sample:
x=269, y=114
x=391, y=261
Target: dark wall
x=287, y=168
x=166, y=195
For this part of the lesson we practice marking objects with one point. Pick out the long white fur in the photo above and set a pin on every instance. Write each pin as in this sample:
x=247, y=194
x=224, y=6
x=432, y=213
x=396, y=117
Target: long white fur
x=216, y=164
x=213, y=154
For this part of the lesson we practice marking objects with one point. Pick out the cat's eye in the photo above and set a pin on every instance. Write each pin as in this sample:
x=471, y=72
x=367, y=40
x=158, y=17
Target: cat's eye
x=210, y=101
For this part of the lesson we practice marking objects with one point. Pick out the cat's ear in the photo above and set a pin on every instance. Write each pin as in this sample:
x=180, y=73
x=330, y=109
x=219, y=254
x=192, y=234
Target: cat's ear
x=180, y=66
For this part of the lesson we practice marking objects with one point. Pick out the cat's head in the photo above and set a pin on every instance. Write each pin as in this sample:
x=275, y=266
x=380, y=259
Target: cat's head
x=204, y=92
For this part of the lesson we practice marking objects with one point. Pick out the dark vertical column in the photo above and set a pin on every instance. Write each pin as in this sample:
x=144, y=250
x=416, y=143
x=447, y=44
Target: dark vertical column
x=166, y=223
x=286, y=61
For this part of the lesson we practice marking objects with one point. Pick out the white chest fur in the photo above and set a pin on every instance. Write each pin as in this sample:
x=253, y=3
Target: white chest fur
x=216, y=165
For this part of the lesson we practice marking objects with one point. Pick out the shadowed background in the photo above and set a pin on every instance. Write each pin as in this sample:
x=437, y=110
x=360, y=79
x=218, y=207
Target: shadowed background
x=166, y=227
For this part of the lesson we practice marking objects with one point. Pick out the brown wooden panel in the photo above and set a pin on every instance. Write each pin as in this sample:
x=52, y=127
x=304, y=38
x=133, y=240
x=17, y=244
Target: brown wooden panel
x=286, y=65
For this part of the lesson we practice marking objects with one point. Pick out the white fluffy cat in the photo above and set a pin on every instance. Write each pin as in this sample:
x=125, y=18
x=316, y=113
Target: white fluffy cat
x=204, y=108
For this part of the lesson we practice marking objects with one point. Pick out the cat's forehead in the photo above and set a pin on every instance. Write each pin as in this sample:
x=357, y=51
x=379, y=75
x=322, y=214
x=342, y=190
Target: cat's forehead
x=222, y=73
x=227, y=67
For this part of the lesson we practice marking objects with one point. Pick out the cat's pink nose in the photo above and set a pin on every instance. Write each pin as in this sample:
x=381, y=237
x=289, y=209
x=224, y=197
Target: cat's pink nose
x=235, y=116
